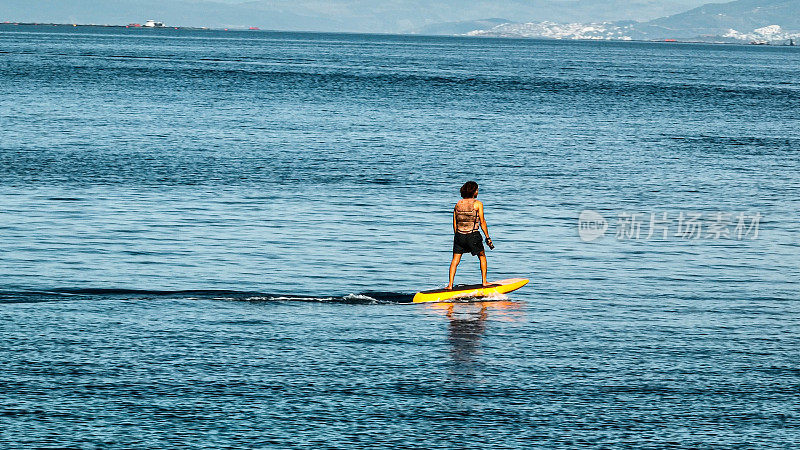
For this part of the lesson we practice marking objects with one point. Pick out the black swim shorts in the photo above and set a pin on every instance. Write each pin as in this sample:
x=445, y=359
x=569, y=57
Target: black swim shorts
x=470, y=242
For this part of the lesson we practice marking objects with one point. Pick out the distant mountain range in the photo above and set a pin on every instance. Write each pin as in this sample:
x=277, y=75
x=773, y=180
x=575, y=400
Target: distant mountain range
x=379, y=16
x=740, y=20
x=463, y=27
x=741, y=15
x=762, y=21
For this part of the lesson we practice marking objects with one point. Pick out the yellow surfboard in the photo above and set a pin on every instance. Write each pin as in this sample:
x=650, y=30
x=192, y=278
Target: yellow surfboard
x=470, y=291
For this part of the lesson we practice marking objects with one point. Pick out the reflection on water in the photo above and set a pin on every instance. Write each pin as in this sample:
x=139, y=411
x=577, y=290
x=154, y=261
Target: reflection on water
x=467, y=325
x=465, y=331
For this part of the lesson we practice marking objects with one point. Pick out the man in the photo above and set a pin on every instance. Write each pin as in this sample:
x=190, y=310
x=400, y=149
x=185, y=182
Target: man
x=467, y=220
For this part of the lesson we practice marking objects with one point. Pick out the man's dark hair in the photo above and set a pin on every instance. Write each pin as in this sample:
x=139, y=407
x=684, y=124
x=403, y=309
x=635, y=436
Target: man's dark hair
x=469, y=189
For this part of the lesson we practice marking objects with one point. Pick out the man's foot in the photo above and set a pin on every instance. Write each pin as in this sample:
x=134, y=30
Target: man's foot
x=485, y=284
x=449, y=287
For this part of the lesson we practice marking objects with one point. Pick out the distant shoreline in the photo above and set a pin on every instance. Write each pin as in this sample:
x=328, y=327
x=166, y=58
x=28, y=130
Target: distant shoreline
x=131, y=26
x=75, y=25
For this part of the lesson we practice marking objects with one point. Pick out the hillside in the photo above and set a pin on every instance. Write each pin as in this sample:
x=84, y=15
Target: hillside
x=742, y=15
x=742, y=20
x=462, y=27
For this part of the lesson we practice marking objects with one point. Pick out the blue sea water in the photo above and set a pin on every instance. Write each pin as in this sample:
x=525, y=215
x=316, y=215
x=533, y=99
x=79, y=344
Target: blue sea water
x=207, y=239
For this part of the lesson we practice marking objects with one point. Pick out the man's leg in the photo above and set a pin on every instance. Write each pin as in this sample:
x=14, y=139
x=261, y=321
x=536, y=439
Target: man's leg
x=453, y=267
x=482, y=258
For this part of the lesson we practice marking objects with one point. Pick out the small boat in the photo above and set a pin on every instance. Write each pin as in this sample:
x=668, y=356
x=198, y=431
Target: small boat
x=153, y=24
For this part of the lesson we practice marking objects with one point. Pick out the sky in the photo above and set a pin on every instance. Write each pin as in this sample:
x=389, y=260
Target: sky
x=388, y=16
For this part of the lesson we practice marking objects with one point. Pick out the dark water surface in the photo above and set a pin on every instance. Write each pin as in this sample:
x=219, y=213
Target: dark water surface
x=206, y=239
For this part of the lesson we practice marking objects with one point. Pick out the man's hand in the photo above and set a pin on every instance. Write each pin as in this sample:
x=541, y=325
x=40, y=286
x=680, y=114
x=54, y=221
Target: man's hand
x=489, y=242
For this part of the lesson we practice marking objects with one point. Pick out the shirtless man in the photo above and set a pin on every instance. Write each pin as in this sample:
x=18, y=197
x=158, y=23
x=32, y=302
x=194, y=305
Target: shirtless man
x=467, y=220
